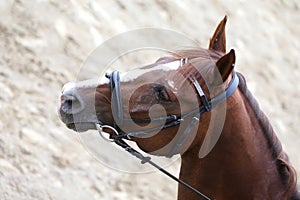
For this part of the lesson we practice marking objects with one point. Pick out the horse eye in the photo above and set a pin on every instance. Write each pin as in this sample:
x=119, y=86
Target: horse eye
x=161, y=93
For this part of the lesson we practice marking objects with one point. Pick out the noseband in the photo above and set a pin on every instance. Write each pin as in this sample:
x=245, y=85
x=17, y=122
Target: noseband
x=169, y=121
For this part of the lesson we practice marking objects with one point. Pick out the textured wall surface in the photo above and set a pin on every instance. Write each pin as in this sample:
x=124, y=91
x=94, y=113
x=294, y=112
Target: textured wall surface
x=43, y=44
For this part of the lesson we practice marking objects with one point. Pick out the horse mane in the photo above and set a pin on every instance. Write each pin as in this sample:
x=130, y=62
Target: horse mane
x=285, y=169
x=203, y=59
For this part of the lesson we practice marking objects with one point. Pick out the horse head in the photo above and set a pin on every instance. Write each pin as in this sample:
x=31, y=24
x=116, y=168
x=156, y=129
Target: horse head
x=154, y=103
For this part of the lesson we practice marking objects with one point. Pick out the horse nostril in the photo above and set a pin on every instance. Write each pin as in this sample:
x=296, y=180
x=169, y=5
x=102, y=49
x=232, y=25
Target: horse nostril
x=70, y=104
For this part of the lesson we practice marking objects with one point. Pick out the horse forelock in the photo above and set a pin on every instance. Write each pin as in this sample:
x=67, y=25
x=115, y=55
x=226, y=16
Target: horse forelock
x=200, y=65
x=284, y=167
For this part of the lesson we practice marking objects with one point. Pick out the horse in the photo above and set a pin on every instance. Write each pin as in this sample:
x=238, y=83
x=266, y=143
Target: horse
x=192, y=103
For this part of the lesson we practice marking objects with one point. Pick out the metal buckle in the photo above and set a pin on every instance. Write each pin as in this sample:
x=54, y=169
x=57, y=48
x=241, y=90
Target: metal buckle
x=100, y=127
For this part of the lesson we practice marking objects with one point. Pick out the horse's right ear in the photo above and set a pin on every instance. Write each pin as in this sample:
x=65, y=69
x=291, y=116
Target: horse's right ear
x=226, y=64
x=218, y=40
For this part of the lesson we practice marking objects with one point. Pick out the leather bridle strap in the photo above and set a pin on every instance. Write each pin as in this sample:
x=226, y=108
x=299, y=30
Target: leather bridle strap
x=116, y=98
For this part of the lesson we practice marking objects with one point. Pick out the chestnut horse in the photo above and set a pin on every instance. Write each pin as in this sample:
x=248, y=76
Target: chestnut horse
x=194, y=104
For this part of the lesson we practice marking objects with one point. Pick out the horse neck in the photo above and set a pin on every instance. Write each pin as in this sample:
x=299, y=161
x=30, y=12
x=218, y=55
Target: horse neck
x=242, y=164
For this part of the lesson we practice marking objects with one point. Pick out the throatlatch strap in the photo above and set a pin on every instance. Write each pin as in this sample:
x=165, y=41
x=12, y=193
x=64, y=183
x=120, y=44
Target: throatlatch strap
x=202, y=96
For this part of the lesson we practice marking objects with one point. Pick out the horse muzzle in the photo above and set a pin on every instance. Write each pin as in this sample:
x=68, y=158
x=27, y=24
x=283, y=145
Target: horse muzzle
x=73, y=110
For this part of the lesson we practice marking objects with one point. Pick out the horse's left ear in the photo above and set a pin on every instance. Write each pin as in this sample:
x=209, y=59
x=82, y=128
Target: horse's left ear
x=218, y=40
x=225, y=64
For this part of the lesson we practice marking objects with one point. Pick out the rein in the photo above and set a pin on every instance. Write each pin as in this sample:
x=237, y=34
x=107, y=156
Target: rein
x=170, y=121
x=144, y=159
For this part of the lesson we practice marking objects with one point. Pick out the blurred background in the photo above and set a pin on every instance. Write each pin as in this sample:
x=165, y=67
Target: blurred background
x=43, y=45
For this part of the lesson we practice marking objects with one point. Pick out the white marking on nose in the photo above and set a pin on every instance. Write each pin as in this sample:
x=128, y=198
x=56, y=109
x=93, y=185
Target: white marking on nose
x=90, y=83
x=68, y=87
x=131, y=75
x=72, y=101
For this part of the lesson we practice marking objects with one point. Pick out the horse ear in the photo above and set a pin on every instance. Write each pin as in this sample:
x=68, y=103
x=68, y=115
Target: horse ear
x=225, y=64
x=218, y=40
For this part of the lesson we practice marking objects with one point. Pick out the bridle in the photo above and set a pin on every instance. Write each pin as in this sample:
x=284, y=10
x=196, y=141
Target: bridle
x=116, y=136
x=170, y=120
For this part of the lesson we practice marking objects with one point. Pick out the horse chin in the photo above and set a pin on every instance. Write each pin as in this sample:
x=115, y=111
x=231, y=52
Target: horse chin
x=81, y=127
